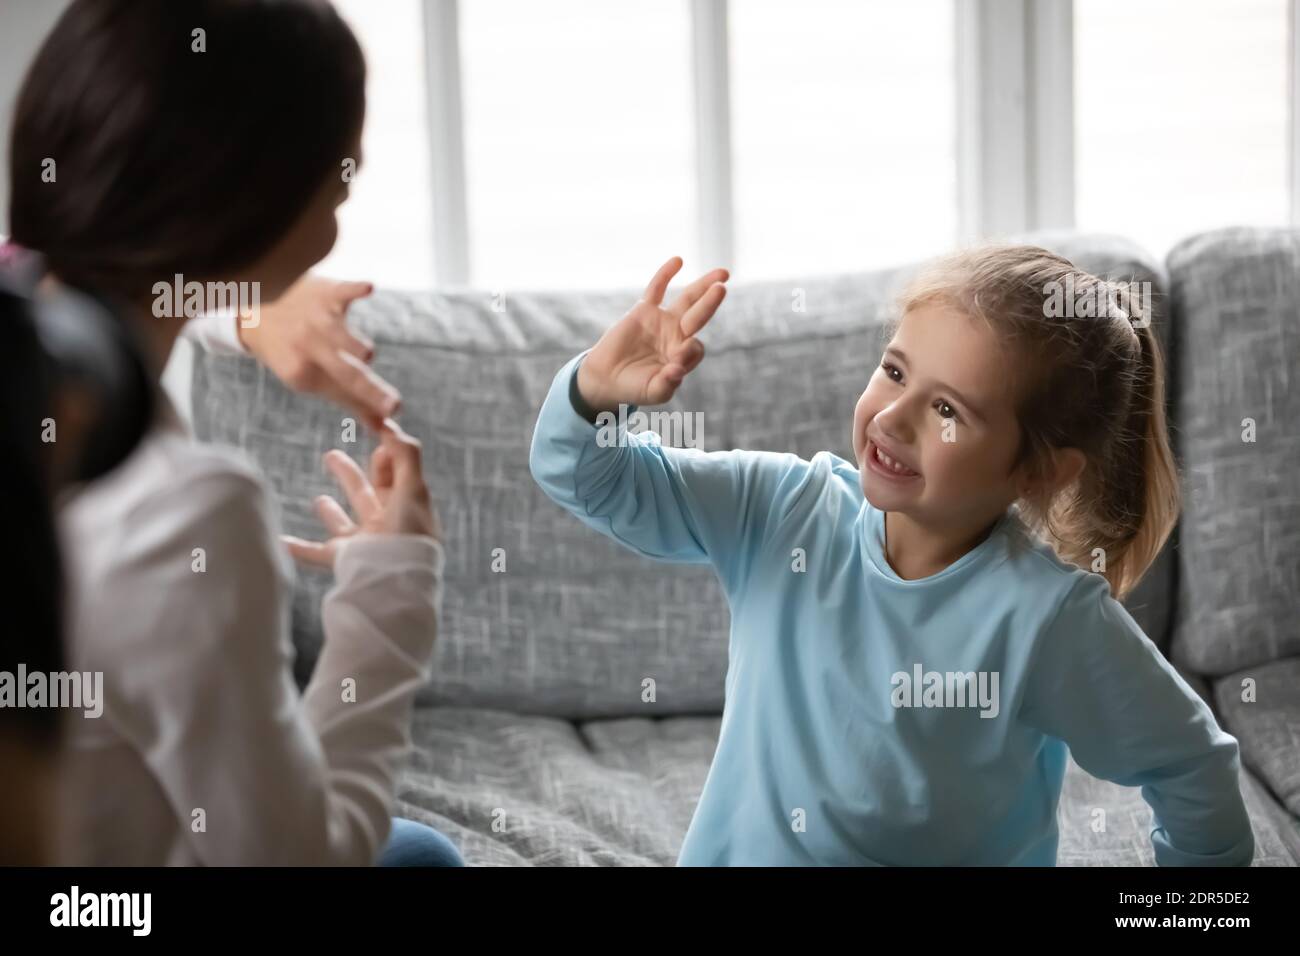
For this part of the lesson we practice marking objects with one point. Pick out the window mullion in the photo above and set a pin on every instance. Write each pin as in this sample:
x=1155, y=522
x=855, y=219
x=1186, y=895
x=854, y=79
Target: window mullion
x=446, y=142
x=1015, y=115
x=715, y=224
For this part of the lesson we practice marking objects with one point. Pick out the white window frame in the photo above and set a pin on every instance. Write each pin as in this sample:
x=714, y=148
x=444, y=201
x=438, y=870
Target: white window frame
x=451, y=252
x=714, y=210
x=1015, y=116
x=1015, y=124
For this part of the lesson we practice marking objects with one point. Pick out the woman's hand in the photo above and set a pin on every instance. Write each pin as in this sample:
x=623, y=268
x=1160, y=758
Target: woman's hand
x=643, y=358
x=304, y=339
x=393, y=499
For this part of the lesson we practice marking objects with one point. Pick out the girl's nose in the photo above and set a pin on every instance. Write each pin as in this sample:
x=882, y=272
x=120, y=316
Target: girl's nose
x=895, y=422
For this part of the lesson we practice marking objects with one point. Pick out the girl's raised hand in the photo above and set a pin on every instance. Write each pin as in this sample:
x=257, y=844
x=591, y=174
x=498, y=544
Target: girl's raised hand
x=643, y=358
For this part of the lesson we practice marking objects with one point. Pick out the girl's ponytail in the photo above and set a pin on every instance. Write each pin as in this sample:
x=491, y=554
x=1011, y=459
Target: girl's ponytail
x=1128, y=497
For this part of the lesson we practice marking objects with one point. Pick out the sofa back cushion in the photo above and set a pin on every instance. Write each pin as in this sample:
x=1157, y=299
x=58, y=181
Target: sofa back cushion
x=1236, y=302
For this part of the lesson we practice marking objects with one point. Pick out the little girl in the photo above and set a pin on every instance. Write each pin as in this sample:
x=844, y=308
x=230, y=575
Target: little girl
x=914, y=641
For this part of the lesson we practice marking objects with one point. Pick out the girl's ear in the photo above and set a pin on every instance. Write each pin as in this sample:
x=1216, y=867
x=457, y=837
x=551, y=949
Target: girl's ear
x=1061, y=469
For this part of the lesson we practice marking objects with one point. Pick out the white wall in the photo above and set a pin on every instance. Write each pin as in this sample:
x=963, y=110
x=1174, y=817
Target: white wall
x=23, y=25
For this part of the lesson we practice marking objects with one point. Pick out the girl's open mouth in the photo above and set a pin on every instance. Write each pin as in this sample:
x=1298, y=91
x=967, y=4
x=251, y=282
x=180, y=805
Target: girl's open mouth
x=881, y=463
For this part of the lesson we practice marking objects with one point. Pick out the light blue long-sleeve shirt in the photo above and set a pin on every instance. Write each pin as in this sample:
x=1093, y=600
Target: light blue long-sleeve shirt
x=850, y=733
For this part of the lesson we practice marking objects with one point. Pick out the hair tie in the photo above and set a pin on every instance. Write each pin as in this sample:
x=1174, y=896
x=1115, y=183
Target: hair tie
x=11, y=252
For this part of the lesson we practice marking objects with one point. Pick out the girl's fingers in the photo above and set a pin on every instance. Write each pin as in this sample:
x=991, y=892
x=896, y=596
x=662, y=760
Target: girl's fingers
x=689, y=354
x=682, y=360
x=654, y=292
x=353, y=481
x=699, y=314
x=319, y=554
x=686, y=353
x=664, y=384
x=691, y=294
x=333, y=517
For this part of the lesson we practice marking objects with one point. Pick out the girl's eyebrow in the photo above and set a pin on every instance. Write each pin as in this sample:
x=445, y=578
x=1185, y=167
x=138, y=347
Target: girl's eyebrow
x=898, y=354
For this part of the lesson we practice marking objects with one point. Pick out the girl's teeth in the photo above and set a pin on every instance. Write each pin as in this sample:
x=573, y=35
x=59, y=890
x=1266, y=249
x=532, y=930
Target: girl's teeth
x=900, y=469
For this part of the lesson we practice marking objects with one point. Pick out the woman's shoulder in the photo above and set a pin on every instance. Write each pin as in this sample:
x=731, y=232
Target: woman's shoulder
x=170, y=492
x=179, y=526
x=169, y=470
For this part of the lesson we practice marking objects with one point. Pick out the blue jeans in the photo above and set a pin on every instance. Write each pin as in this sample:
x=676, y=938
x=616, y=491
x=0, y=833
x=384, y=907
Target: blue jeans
x=415, y=844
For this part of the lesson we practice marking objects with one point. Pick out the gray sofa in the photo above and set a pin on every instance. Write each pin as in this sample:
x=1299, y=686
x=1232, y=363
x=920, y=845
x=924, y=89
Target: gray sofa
x=533, y=744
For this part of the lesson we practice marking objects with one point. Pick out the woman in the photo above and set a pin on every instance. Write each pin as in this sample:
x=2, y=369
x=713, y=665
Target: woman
x=153, y=140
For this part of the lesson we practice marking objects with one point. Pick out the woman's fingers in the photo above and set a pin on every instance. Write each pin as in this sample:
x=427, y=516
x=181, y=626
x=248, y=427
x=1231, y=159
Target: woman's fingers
x=408, y=500
x=319, y=554
x=353, y=481
x=405, y=453
x=333, y=517
x=362, y=388
x=349, y=292
x=327, y=329
x=654, y=292
x=699, y=314
x=691, y=294
x=337, y=337
x=381, y=468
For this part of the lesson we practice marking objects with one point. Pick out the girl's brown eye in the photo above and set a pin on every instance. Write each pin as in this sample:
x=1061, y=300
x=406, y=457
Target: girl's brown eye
x=950, y=413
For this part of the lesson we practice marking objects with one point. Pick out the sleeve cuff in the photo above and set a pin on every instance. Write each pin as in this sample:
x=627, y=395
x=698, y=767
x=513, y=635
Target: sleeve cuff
x=216, y=332
x=578, y=403
x=364, y=552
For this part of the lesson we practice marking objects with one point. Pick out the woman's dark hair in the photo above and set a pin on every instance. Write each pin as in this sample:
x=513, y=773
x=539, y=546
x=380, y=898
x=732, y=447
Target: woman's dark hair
x=175, y=150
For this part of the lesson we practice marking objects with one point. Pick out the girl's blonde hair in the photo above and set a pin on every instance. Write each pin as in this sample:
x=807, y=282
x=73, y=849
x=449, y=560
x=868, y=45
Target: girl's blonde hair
x=1089, y=377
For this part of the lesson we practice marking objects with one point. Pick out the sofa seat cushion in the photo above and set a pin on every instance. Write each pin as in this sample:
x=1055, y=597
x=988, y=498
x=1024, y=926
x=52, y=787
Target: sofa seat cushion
x=510, y=789
x=1267, y=728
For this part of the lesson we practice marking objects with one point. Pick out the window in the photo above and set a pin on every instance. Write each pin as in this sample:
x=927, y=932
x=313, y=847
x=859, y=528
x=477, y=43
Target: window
x=578, y=140
x=386, y=226
x=1181, y=117
x=584, y=141
x=844, y=134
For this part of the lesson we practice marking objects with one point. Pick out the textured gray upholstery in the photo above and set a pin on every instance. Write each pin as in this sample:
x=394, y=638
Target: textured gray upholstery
x=1264, y=716
x=1237, y=297
x=621, y=792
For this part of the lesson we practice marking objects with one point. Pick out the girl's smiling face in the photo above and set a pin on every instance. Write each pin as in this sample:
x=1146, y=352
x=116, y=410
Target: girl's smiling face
x=940, y=408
